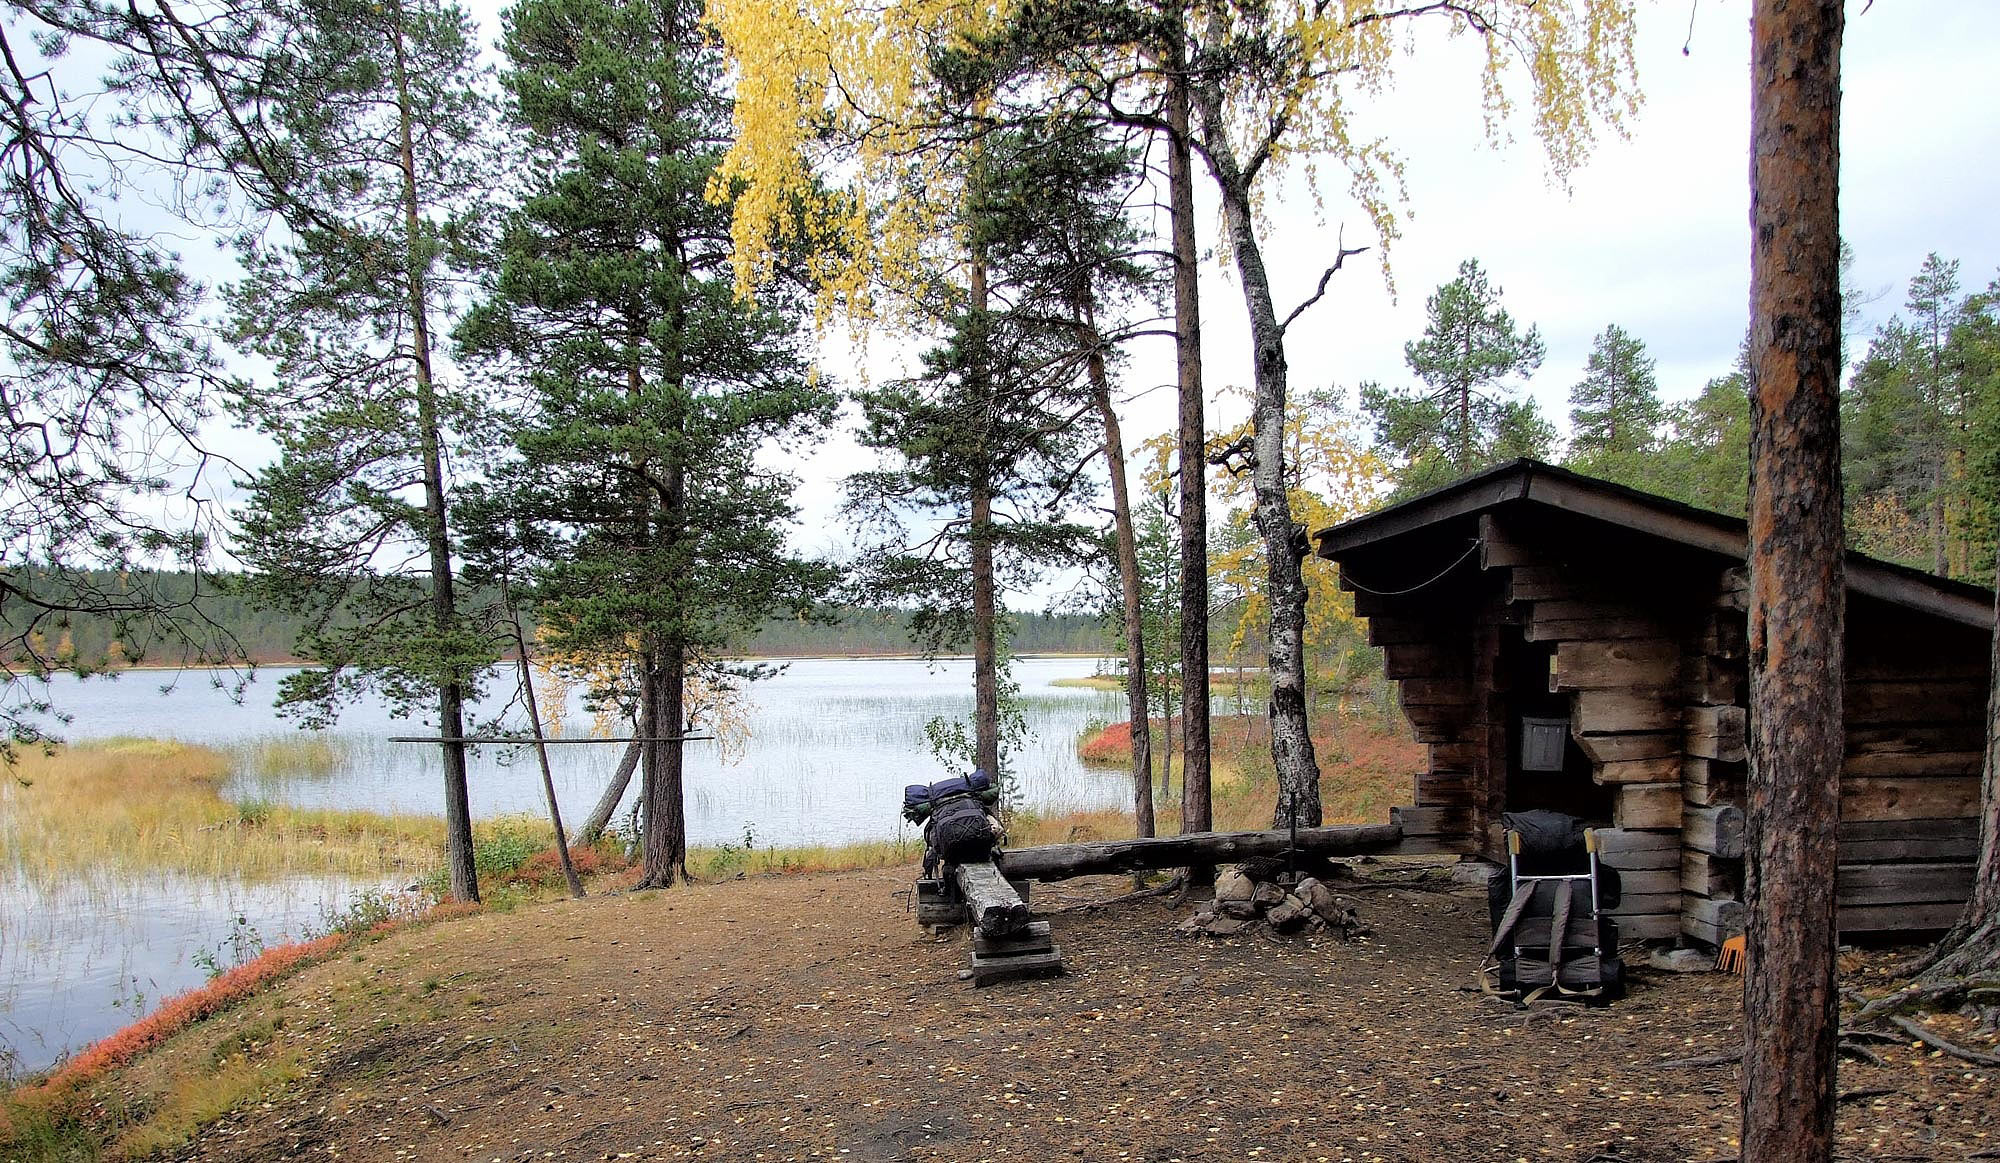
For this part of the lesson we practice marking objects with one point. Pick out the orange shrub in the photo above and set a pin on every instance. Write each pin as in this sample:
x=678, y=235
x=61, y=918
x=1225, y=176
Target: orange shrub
x=180, y=1012
x=1112, y=745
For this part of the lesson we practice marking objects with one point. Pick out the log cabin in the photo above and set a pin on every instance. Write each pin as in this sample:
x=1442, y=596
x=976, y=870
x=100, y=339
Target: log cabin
x=1563, y=642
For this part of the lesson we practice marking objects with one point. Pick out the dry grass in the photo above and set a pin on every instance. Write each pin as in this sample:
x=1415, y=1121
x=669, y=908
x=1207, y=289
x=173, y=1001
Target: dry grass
x=1366, y=765
x=139, y=805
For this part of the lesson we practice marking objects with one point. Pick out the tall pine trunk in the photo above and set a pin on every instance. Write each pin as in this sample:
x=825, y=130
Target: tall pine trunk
x=985, y=601
x=1128, y=579
x=665, y=848
x=1196, y=804
x=443, y=600
x=1798, y=582
x=1284, y=540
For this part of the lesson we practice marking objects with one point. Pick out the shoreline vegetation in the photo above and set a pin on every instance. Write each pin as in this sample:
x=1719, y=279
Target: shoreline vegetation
x=141, y=806
x=80, y=810
x=253, y=635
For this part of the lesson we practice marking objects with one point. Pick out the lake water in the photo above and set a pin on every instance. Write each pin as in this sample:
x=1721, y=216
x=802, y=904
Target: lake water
x=830, y=744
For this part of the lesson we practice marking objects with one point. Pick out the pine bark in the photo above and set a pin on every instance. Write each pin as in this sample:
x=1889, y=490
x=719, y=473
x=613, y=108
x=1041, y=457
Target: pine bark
x=1798, y=585
x=1284, y=540
x=665, y=849
x=985, y=599
x=1128, y=585
x=1196, y=803
x=464, y=877
x=600, y=816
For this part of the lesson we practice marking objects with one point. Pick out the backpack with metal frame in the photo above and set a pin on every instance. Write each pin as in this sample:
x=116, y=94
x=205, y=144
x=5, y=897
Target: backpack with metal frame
x=1552, y=938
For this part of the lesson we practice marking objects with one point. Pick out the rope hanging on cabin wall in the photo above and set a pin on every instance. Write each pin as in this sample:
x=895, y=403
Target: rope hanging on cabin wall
x=1471, y=548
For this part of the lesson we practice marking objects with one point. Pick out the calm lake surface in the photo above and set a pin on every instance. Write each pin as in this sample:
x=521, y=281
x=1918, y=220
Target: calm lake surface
x=830, y=744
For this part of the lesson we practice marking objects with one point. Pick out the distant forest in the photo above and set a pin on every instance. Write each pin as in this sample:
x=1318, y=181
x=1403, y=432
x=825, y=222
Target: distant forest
x=267, y=636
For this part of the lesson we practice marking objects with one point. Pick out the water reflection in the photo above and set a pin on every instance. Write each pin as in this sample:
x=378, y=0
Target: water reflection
x=831, y=743
x=84, y=956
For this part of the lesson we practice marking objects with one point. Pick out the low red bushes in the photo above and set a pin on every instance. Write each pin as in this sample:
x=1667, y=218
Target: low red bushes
x=185, y=1010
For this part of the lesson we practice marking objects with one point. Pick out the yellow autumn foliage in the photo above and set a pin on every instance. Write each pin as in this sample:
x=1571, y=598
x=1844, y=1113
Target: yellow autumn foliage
x=836, y=141
x=1331, y=475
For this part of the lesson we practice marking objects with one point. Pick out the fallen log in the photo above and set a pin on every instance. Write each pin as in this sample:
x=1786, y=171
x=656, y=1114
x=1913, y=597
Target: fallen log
x=995, y=907
x=1061, y=861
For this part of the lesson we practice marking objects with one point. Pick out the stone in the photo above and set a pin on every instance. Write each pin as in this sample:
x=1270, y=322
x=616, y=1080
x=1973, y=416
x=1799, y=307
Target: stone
x=1320, y=899
x=1680, y=960
x=1195, y=924
x=1226, y=927
x=1473, y=872
x=1241, y=910
x=1287, y=916
x=1267, y=894
x=1232, y=885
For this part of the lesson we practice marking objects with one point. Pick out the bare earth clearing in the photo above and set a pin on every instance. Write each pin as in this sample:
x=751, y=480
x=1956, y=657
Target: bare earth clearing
x=808, y=1017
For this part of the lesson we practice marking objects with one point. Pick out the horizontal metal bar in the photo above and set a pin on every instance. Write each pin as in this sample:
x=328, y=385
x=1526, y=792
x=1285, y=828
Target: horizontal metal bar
x=518, y=740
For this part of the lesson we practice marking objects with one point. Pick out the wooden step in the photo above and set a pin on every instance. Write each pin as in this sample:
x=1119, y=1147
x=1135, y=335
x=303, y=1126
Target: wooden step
x=987, y=970
x=1038, y=937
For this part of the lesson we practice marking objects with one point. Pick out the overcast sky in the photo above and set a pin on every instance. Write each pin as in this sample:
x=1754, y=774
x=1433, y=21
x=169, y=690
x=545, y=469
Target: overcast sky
x=1653, y=234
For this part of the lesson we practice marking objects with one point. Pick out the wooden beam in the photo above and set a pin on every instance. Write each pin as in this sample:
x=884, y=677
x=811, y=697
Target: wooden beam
x=1470, y=496
x=1659, y=770
x=1717, y=732
x=1713, y=921
x=1894, y=884
x=1061, y=861
x=1625, y=748
x=1647, y=805
x=1623, y=664
x=1718, y=830
x=1614, y=712
x=1879, y=841
x=1901, y=918
x=994, y=905
x=1908, y=799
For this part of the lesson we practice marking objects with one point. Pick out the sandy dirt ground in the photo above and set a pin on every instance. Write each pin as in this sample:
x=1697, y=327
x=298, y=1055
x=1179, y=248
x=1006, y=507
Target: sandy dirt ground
x=810, y=1018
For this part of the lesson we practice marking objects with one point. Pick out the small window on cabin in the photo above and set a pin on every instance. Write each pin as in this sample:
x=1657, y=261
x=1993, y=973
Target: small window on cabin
x=1542, y=743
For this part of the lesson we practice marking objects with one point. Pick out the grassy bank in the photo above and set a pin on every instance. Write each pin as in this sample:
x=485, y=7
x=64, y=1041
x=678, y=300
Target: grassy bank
x=1367, y=765
x=147, y=806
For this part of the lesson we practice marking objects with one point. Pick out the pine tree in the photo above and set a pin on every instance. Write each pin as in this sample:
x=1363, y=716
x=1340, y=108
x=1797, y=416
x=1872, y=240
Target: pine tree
x=1615, y=411
x=1466, y=416
x=652, y=388
x=380, y=111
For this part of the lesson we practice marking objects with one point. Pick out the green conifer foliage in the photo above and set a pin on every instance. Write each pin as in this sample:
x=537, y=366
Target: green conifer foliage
x=1615, y=410
x=653, y=394
x=379, y=110
x=1467, y=414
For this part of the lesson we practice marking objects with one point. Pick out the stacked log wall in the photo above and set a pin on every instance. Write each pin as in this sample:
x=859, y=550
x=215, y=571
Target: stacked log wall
x=1915, y=697
x=1619, y=659
x=1657, y=675
x=1429, y=654
x=1715, y=761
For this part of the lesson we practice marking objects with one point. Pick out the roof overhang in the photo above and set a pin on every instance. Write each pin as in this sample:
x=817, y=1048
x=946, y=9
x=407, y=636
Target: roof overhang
x=1559, y=489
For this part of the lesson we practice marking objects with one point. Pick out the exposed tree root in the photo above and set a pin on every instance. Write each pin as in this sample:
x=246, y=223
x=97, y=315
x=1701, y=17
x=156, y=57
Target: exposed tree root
x=1922, y=1034
x=1936, y=994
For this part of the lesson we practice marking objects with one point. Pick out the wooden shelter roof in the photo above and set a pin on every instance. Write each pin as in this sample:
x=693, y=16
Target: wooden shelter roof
x=1532, y=485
